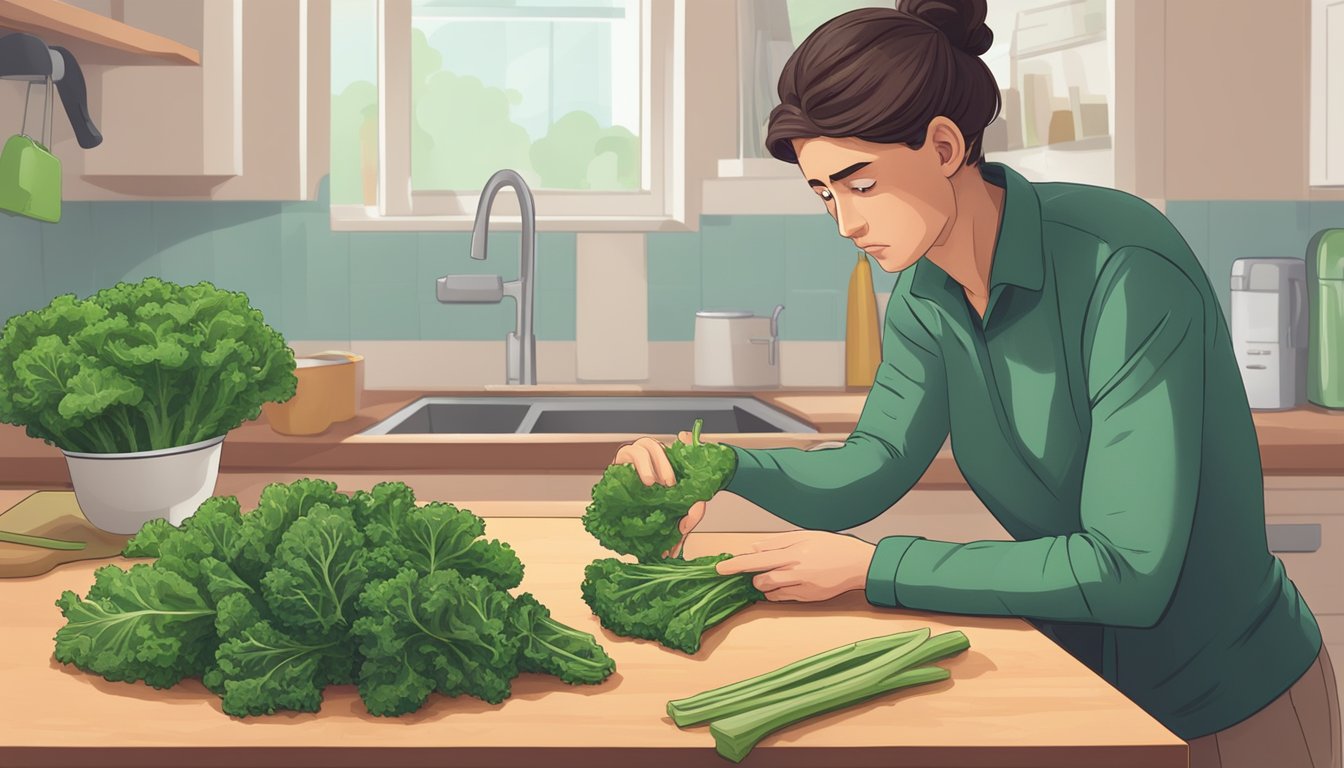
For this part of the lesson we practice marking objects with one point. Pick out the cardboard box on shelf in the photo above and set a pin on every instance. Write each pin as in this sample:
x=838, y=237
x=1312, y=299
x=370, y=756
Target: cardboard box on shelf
x=1094, y=115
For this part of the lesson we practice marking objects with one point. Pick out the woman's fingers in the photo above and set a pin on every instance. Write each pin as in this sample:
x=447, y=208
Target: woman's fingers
x=772, y=580
x=756, y=561
x=692, y=518
x=779, y=540
x=649, y=459
x=643, y=465
x=793, y=594
x=662, y=468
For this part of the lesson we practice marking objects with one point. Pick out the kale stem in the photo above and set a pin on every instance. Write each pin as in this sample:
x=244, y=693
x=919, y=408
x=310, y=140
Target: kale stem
x=41, y=541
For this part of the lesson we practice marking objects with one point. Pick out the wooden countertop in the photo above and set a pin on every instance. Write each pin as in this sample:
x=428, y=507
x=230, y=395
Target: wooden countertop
x=1015, y=698
x=1305, y=441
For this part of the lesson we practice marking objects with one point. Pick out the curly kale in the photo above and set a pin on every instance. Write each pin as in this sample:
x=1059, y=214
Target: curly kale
x=632, y=518
x=672, y=601
x=555, y=649
x=315, y=588
x=141, y=366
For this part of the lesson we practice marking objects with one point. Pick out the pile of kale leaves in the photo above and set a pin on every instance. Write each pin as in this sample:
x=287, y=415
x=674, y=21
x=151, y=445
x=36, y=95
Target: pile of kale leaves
x=314, y=588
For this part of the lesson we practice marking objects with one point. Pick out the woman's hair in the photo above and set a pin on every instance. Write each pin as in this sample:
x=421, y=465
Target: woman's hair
x=882, y=74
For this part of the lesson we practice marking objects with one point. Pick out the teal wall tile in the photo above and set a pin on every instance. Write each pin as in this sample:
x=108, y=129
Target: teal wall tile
x=323, y=285
x=813, y=315
x=383, y=269
x=247, y=256
x=743, y=262
x=21, y=286
x=313, y=283
x=817, y=264
x=294, y=270
x=557, y=286
x=1325, y=215
x=674, y=273
x=124, y=252
x=1191, y=219
x=1245, y=229
x=69, y=250
x=183, y=235
x=449, y=253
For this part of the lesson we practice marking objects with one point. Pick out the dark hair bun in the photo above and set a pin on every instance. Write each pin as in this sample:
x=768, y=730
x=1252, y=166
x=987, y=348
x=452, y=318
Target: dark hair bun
x=962, y=21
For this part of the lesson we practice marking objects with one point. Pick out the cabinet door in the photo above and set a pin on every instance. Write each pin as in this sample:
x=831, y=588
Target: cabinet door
x=1327, y=92
x=181, y=121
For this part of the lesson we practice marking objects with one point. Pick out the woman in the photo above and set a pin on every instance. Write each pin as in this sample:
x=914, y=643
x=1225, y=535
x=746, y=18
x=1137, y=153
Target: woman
x=1069, y=342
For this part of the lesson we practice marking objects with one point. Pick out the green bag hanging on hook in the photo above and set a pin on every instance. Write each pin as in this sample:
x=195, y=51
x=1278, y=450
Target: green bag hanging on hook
x=30, y=176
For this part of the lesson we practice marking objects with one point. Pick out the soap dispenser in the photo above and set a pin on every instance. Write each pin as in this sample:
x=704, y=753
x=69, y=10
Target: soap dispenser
x=863, y=340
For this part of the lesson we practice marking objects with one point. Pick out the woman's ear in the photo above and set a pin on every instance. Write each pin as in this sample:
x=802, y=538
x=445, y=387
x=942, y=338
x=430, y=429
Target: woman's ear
x=945, y=138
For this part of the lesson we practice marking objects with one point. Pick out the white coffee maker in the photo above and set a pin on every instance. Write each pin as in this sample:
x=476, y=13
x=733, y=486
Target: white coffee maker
x=1269, y=330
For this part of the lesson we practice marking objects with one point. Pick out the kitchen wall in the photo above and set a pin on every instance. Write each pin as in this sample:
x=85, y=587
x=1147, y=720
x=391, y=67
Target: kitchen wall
x=348, y=288
x=313, y=283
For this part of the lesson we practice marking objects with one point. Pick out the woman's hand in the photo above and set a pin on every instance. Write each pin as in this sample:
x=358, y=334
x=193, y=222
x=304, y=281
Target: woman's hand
x=805, y=566
x=651, y=463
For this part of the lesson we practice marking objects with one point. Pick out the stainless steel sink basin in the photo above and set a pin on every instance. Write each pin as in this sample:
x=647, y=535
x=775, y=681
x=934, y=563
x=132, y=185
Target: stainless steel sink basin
x=520, y=414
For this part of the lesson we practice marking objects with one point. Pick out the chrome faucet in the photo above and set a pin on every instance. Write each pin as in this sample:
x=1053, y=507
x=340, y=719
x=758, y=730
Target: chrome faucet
x=520, y=346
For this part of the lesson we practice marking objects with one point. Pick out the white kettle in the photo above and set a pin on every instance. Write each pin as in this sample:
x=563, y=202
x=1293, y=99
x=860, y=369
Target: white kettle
x=737, y=349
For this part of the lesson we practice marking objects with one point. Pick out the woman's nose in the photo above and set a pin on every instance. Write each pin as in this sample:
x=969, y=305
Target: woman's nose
x=850, y=223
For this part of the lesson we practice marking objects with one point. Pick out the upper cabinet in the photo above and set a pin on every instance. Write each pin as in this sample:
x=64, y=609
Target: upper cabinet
x=1327, y=93
x=173, y=121
x=1054, y=62
x=184, y=118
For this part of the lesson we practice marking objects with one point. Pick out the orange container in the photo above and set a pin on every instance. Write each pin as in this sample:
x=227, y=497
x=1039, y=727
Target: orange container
x=328, y=392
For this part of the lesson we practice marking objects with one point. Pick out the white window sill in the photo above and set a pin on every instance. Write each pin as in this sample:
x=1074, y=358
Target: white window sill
x=738, y=196
x=361, y=218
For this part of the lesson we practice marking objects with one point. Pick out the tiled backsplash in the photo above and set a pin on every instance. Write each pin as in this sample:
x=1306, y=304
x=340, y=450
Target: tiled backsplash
x=1222, y=231
x=313, y=283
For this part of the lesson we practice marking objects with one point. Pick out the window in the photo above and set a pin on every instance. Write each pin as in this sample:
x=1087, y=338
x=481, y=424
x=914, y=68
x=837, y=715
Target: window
x=431, y=97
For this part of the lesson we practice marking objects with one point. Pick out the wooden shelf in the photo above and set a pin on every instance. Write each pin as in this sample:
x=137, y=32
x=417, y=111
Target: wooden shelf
x=60, y=23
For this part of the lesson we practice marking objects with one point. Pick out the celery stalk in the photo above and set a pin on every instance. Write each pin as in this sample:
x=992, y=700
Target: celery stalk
x=734, y=737
x=736, y=734
x=754, y=691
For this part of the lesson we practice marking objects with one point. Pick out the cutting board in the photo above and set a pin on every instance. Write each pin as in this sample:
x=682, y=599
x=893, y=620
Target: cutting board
x=53, y=515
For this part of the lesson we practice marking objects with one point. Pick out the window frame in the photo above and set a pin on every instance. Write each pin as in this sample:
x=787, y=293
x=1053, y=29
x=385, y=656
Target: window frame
x=662, y=205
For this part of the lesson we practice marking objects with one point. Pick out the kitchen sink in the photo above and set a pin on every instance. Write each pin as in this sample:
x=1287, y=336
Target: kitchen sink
x=651, y=415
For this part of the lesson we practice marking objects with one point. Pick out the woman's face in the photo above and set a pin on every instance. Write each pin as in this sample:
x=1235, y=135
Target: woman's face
x=893, y=201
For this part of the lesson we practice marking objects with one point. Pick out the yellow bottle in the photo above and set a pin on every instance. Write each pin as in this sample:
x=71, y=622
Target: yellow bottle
x=863, y=341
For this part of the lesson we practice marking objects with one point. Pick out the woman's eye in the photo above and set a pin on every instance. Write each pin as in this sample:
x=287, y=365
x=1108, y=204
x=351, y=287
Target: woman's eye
x=862, y=185
x=825, y=194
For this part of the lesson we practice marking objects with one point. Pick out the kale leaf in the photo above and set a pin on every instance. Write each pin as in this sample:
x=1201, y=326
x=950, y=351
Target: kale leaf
x=315, y=588
x=632, y=518
x=548, y=646
x=672, y=601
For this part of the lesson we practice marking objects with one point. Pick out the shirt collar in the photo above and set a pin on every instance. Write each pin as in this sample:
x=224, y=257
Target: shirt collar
x=1018, y=253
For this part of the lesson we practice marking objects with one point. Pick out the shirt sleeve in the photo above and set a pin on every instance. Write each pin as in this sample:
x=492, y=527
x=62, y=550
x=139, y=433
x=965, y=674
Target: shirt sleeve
x=1144, y=350
x=903, y=424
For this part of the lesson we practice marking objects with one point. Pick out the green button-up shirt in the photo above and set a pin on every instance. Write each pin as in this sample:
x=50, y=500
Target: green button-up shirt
x=1098, y=413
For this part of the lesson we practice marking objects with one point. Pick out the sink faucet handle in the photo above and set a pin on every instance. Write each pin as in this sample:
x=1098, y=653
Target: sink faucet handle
x=774, y=320
x=470, y=289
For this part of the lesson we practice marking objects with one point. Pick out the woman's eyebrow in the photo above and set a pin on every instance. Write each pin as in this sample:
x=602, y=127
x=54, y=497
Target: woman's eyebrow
x=840, y=174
